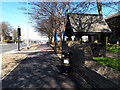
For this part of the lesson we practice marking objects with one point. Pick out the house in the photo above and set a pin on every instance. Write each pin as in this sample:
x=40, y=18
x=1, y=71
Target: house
x=113, y=22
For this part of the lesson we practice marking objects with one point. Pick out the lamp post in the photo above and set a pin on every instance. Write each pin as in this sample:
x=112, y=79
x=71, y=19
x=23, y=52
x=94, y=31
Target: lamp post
x=27, y=28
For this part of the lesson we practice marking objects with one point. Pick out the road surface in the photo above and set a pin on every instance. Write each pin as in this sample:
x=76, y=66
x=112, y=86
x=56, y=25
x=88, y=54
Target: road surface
x=8, y=47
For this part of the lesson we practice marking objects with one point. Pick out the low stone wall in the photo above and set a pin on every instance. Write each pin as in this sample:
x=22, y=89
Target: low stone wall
x=98, y=50
x=58, y=47
x=104, y=71
x=80, y=53
x=95, y=73
x=98, y=75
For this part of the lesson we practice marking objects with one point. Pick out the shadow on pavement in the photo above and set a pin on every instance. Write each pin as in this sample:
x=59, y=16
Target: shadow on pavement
x=40, y=71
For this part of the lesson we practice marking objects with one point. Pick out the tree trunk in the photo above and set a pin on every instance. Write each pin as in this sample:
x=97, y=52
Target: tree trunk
x=99, y=6
x=55, y=34
x=50, y=39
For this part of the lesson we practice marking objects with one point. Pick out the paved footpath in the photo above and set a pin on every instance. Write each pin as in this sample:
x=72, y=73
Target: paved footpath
x=41, y=69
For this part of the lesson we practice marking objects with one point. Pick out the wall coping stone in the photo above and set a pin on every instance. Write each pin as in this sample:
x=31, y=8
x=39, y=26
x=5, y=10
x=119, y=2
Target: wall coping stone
x=105, y=71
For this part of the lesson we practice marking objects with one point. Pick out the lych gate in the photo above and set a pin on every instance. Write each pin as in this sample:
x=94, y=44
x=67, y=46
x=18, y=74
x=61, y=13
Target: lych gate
x=91, y=25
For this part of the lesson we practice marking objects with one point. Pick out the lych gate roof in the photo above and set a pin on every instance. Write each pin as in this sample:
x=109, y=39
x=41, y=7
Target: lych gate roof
x=86, y=23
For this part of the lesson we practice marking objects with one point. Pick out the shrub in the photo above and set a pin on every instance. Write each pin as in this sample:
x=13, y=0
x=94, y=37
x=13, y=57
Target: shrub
x=113, y=48
x=8, y=41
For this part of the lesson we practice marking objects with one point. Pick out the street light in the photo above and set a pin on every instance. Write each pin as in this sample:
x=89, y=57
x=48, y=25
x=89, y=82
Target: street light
x=27, y=28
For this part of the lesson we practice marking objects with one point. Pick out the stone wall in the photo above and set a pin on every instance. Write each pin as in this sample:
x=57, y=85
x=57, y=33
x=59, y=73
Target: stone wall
x=98, y=75
x=80, y=53
x=106, y=72
x=58, y=47
x=95, y=73
x=98, y=50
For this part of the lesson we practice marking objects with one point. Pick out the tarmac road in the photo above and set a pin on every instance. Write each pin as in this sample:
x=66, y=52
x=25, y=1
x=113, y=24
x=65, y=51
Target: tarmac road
x=8, y=47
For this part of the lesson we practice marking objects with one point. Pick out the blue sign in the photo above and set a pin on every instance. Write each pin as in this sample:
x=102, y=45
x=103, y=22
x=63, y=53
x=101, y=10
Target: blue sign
x=56, y=37
x=63, y=36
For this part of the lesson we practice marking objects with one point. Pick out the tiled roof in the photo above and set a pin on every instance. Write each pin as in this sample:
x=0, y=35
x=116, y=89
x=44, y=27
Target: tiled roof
x=88, y=23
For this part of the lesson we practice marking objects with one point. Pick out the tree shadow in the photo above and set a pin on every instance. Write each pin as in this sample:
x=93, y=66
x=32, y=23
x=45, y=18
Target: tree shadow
x=40, y=71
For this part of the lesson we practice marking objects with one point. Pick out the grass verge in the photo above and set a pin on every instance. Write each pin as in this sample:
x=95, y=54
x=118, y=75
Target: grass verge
x=110, y=62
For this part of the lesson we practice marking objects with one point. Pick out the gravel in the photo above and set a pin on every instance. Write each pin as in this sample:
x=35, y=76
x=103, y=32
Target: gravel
x=10, y=61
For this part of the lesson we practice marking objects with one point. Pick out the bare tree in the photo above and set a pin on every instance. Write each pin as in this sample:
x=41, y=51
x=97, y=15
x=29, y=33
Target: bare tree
x=45, y=29
x=6, y=29
x=54, y=13
x=15, y=35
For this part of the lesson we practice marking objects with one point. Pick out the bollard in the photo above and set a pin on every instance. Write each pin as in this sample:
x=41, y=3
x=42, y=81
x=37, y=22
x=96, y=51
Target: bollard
x=66, y=61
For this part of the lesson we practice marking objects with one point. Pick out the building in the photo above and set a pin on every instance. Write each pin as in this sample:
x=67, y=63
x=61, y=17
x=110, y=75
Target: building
x=113, y=22
x=91, y=25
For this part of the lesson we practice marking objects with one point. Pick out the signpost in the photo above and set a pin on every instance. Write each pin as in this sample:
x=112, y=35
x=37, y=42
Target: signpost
x=19, y=34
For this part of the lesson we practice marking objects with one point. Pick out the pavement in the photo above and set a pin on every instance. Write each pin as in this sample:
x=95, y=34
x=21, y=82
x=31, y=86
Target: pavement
x=42, y=69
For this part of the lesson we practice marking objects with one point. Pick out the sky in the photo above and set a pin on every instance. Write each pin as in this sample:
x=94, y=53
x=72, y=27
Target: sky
x=12, y=13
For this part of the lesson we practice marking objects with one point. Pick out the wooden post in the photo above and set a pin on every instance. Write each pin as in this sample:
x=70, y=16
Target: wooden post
x=89, y=39
x=92, y=39
x=81, y=40
x=106, y=41
x=103, y=40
